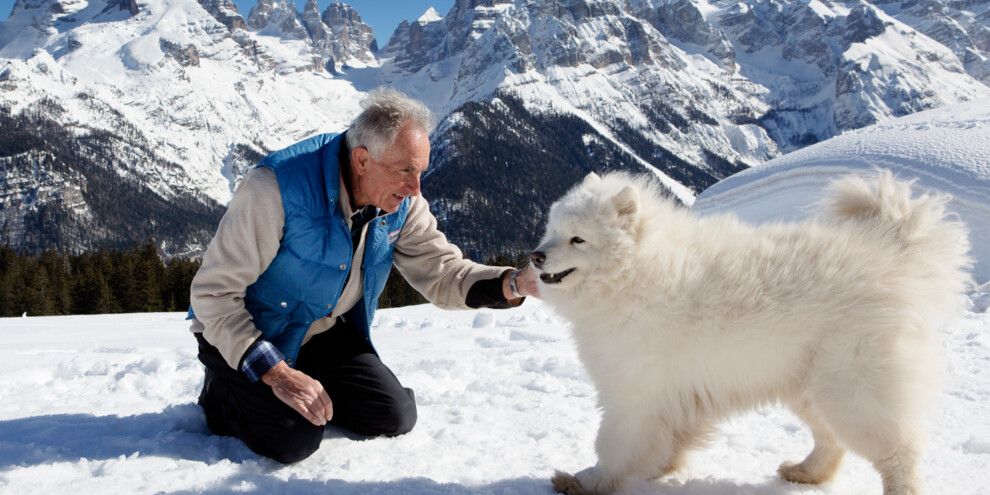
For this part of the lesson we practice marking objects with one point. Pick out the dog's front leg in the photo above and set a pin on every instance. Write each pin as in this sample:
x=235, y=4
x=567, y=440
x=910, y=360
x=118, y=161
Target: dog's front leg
x=580, y=483
x=630, y=447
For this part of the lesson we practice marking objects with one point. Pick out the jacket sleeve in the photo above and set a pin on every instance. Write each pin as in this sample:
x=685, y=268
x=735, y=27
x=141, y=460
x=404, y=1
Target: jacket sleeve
x=435, y=267
x=246, y=242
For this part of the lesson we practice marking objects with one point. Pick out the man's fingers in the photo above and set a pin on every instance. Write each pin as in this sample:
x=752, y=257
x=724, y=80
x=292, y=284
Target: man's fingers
x=528, y=282
x=317, y=407
x=304, y=411
x=327, y=404
x=306, y=404
x=302, y=393
x=315, y=414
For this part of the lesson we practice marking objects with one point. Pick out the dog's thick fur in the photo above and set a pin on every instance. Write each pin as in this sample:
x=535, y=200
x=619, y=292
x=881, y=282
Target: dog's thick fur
x=684, y=321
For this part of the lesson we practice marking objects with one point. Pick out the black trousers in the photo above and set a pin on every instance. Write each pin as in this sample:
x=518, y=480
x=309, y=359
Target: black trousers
x=367, y=397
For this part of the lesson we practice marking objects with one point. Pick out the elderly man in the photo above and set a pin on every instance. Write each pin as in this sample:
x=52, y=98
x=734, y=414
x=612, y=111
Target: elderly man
x=284, y=300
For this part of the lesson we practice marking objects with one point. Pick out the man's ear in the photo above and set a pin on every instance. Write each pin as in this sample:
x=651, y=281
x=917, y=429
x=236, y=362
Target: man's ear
x=359, y=159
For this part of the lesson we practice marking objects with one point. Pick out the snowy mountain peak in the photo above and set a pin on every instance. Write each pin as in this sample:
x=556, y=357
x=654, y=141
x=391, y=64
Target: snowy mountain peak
x=224, y=11
x=355, y=40
x=260, y=14
x=31, y=22
x=57, y=7
x=429, y=16
x=338, y=35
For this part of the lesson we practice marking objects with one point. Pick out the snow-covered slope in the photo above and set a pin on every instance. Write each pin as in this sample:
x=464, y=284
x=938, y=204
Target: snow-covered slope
x=193, y=88
x=947, y=150
x=189, y=103
x=960, y=26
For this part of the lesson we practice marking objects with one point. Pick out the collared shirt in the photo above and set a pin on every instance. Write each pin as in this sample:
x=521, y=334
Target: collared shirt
x=359, y=220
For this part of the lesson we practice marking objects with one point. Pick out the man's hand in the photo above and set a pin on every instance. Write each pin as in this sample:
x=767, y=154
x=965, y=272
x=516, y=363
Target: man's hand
x=300, y=392
x=525, y=283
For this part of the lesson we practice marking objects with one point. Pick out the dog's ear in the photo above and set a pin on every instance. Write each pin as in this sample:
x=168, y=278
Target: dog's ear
x=591, y=179
x=626, y=202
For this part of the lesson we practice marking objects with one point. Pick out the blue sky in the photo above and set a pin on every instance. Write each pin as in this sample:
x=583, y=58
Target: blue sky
x=383, y=15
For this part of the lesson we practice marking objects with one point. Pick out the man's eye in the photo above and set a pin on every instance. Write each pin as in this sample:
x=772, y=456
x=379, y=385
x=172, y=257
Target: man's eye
x=576, y=240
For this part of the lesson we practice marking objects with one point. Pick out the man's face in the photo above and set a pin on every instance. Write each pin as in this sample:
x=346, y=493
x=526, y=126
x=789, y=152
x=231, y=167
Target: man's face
x=387, y=182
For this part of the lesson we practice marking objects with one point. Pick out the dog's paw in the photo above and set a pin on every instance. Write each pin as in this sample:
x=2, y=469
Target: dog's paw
x=795, y=473
x=567, y=484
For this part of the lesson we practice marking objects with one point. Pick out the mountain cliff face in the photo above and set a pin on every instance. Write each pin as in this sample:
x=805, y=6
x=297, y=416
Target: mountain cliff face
x=961, y=26
x=532, y=94
x=337, y=36
x=205, y=101
x=689, y=90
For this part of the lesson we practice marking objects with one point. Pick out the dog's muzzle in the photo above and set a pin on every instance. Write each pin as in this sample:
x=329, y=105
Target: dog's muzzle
x=555, y=278
x=538, y=258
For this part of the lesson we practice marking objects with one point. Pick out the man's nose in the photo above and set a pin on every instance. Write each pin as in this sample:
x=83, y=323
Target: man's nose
x=413, y=183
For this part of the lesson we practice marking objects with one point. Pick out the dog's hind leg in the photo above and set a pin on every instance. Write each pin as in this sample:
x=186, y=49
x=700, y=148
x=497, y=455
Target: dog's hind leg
x=893, y=446
x=899, y=474
x=823, y=461
x=875, y=424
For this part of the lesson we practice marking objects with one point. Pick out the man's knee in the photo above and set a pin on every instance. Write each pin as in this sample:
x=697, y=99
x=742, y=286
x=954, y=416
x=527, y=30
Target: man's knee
x=392, y=417
x=293, y=444
x=266, y=425
x=403, y=418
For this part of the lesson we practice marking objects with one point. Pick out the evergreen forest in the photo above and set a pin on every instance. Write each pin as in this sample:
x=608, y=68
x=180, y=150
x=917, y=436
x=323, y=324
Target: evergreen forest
x=134, y=280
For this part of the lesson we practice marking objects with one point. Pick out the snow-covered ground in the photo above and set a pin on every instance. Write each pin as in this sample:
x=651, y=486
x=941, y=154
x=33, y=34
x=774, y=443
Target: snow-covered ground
x=106, y=404
x=946, y=150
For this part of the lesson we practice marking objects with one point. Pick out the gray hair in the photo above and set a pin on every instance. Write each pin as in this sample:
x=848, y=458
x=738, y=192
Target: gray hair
x=385, y=111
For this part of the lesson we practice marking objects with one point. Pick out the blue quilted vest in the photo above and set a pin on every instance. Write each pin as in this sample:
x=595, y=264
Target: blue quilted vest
x=305, y=279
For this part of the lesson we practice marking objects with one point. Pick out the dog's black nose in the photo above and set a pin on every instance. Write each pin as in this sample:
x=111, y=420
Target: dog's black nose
x=538, y=258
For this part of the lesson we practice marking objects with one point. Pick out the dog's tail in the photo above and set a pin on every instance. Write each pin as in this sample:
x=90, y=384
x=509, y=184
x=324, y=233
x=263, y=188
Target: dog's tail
x=930, y=239
x=888, y=201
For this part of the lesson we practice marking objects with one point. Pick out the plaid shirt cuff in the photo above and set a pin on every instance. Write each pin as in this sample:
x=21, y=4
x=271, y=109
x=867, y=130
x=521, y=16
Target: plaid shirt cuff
x=261, y=357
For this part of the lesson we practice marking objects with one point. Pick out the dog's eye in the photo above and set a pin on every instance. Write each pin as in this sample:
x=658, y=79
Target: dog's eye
x=576, y=240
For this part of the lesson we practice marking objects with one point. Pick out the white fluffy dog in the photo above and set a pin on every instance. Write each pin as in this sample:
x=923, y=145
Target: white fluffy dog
x=684, y=321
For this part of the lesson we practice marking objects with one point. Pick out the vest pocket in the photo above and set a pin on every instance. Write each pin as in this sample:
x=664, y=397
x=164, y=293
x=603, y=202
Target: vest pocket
x=271, y=310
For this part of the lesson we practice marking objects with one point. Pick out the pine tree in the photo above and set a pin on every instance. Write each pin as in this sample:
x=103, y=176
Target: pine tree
x=10, y=271
x=82, y=287
x=123, y=282
x=36, y=297
x=178, y=277
x=90, y=292
x=19, y=286
x=56, y=267
x=398, y=292
x=103, y=300
x=149, y=274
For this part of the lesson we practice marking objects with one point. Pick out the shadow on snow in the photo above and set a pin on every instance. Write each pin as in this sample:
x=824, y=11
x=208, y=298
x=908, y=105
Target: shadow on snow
x=180, y=432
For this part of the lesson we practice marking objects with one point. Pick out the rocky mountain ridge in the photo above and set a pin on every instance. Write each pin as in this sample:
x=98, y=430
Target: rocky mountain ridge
x=531, y=94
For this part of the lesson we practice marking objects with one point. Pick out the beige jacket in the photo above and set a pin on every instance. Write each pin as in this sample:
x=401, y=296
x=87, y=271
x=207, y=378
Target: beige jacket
x=247, y=241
